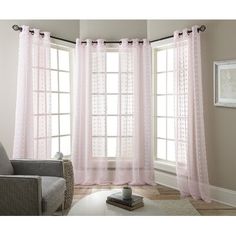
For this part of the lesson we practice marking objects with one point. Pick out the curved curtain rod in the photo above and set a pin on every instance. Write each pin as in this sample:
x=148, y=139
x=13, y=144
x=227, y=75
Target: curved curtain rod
x=202, y=28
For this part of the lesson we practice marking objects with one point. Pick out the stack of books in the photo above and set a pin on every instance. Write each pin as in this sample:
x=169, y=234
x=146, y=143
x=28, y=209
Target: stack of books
x=116, y=199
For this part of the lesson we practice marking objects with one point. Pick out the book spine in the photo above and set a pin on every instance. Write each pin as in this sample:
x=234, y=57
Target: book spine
x=123, y=202
x=124, y=206
x=119, y=201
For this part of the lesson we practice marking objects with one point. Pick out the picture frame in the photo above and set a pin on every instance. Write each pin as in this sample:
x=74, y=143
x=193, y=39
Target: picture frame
x=225, y=83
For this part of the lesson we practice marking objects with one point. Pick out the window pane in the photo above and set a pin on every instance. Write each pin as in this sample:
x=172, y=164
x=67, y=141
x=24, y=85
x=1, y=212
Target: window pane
x=165, y=102
x=127, y=125
x=170, y=56
x=161, y=60
x=55, y=146
x=65, y=145
x=161, y=105
x=182, y=152
x=35, y=126
x=98, y=83
x=112, y=104
x=182, y=128
x=98, y=125
x=170, y=105
x=98, y=147
x=55, y=130
x=64, y=103
x=161, y=127
x=126, y=147
x=112, y=83
x=64, y=124
x=60, y=102
x=54, y=101
x=126, y=104
x=53, y=58
x=170, y=83
x=35, y=78
x=35, y=102
x=41, y=125
x=161, y=149
x=112, y=62
x=98, y=61
x=41, y=103
x=98, y=104
x=161, y=83
x=171, y=128
x=111, y=126
x=127, y=83
x=41, y=79
x=64, y=60
x=54, y=81
x=111, y=147
x=170, y=150
x=64, y=81
x=183, y=105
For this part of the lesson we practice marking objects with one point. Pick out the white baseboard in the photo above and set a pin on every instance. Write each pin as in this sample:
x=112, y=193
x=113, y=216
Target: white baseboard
x=222, y=195
x=218, y=194
x=166, y=179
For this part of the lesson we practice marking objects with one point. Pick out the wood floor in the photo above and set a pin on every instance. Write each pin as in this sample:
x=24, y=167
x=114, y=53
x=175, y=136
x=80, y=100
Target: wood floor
x=160, y=192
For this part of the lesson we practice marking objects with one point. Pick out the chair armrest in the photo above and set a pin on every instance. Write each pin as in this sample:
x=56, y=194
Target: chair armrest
x=38, y=167
x=20, y=195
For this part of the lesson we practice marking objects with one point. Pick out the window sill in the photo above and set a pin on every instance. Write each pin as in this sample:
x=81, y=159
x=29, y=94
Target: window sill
x=165, y=166
x=158, y=165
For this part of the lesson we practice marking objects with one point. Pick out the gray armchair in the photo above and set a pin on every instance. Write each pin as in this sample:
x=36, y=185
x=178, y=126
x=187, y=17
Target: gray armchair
x=30, y=187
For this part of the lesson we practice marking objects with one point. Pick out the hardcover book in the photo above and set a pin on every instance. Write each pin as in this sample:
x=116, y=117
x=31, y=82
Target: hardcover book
x=129, y=208
x=117, y=197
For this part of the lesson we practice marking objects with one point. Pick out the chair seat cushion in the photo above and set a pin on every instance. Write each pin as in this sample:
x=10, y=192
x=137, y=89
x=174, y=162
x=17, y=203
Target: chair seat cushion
x=5, y=164
x=53, y=189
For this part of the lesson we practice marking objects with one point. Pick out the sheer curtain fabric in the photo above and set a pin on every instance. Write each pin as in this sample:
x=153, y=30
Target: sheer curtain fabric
x=192, y=174
x=133, y=163
x=32, y=119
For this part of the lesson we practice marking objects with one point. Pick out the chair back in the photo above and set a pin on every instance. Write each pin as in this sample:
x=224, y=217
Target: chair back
x=5, y=164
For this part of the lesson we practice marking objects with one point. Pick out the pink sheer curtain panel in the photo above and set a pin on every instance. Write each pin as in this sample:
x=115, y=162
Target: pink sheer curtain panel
x=89, y=79
x=133, y=163
x=192, y=173
x=32, y=139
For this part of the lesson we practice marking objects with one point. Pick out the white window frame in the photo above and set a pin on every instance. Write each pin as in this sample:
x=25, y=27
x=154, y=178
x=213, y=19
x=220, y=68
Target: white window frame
x=105, y=115
x=61, y=45
x=159, y=164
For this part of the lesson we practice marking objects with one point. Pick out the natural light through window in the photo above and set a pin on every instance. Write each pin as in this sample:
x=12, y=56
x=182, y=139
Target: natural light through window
x=164, y=120
x=60, y=100
x=106, y=113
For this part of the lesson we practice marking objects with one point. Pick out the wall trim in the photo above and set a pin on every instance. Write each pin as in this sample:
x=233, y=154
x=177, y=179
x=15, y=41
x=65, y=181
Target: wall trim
x=222, y=195
x=166, y=179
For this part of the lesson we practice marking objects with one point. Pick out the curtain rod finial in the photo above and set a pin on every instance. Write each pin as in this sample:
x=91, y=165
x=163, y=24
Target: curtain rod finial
x=15, y=27
x=202, y=28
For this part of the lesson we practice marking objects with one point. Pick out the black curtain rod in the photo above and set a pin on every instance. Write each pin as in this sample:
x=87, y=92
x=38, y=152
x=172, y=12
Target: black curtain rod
x=202, y=28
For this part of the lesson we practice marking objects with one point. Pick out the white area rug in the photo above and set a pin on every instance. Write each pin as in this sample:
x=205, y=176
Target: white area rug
x=175, y=208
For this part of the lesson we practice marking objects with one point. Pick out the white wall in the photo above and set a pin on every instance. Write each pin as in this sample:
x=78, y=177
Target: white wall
x=8, y=67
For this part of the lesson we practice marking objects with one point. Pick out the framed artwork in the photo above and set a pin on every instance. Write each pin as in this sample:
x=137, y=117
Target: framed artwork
x=225, y=83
